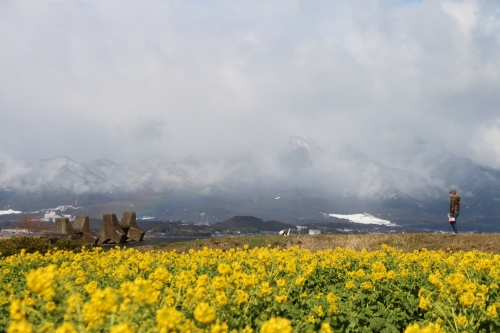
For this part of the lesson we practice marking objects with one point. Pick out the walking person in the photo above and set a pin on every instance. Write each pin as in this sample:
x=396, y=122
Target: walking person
x=454, y=209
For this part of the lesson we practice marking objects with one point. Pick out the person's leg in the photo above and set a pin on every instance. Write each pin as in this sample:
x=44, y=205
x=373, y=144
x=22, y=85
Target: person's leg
x=453, y=225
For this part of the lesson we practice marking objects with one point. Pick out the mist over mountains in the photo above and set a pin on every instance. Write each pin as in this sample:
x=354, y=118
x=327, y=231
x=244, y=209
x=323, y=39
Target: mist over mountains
x=303, y=182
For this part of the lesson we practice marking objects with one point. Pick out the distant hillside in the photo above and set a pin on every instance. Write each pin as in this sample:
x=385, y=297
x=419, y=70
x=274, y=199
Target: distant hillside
x=250, y=224
x=175, y=229
x=242, y=224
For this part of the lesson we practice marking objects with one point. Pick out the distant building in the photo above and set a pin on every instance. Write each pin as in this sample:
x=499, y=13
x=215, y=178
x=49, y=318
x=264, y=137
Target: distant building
x=314, y=232
x=13, y=232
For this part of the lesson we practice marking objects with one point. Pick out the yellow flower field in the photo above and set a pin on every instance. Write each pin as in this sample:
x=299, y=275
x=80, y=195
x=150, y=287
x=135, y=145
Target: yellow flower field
x=250, y=290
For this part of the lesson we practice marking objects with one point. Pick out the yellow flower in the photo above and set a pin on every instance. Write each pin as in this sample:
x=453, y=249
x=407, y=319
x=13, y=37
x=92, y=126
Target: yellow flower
x=68, y=328
x=434, y=279
x=219, y=283
x=325, y=328
x=21, y=326
x=41, y=281
x=142, y=291
x=281, y=299
x=80, y=280
x=29, y=301
x=431, y=328
x=491, y=311
x=320, y=311
x=221, y=298
x=91, y=287
x=241, y=296
x=204, y=313
x=100, y=303
x=333, y=308
x=461, y=320
x=310, y=319
x=247, y=329
x=168, y=318
x=50, y=306
x=277, y=325
x=331, y=298
x=414, y=328
x=218, y=328
x=350, y=285
x=281, y=282
x=300, y=281
x=224, y=269
x=425, y=303
x=46, y=327
x=121, y=328
x=73, y=302
x=366, y=285
x=16, y=309
x=265, y=289
x=467, y=299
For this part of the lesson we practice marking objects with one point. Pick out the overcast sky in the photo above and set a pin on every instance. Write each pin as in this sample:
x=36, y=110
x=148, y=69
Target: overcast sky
x=127, y=80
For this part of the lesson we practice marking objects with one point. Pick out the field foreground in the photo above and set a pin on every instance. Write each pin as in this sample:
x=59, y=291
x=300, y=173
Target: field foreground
x=404, y=242
x=252, y=289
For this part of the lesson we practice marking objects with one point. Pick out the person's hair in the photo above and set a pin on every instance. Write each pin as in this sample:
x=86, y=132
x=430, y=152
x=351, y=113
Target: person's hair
x=453, y=191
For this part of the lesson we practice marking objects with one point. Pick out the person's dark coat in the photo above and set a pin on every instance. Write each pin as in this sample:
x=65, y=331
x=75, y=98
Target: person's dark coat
x=454, y=204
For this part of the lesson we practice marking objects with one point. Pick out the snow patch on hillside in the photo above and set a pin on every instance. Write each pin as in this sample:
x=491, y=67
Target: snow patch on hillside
x=51, y=213
x=10, y=211
x=364, y=218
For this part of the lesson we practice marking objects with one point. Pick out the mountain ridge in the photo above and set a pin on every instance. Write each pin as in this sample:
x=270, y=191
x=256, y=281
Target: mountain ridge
x=300, y=182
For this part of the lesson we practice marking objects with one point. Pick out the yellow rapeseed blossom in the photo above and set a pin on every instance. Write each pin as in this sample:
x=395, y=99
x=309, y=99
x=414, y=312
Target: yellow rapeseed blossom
x=325, y=328
x=41, y=281
x=218, y=328
x=350, y=285
x=461, y=320
x=168, y=318
x=300, y=281
x=68, y=328
x=224, y=269
x=50, y=306
x=467, y=299
x=204, y=313
x=239, y=290
x=21, y=326
x=277, y=325
x=17, y=311
x=431, y=328
x=122, y=328
x=492, y=311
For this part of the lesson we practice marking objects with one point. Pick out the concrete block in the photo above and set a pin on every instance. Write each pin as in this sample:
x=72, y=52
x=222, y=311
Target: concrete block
x=63, y=226
x=82, y=227
x=130, y=227
x=111, y=231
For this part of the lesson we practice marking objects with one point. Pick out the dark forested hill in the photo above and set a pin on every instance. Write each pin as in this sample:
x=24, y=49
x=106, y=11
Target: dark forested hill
x=250, y=224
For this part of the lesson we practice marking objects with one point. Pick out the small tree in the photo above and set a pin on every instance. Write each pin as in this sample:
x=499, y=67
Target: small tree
x=32, y=224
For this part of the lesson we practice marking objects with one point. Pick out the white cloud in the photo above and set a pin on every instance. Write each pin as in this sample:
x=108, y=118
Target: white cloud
x=229, y=76
x=487, y=147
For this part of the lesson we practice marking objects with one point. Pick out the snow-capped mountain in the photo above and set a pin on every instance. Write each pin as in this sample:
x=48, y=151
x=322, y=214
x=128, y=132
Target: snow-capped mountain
x=60, y=174
x=307, y=178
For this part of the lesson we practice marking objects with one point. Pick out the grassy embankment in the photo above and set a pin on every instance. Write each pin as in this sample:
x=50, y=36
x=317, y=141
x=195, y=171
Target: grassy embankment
x=404, y=242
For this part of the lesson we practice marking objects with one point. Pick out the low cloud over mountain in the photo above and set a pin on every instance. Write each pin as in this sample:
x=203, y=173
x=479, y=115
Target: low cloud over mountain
x=301, y=181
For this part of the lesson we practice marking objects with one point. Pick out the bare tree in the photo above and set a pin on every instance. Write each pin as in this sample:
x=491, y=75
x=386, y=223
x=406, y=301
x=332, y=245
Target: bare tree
x=32, y=224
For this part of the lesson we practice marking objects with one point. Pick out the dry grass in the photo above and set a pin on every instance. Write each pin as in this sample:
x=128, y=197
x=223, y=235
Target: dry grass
x=404, y=242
